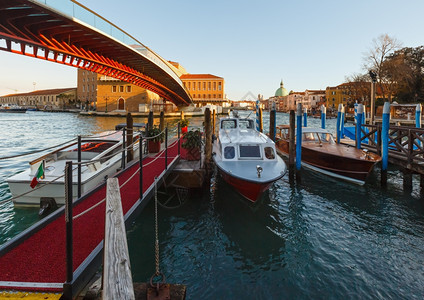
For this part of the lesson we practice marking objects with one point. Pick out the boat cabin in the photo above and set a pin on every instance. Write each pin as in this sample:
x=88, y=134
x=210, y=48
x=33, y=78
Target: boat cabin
x=239, y=140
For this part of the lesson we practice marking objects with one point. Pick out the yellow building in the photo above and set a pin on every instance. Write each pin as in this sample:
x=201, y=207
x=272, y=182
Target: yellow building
x=205, y=89
x=334, y=96
x=108, y=94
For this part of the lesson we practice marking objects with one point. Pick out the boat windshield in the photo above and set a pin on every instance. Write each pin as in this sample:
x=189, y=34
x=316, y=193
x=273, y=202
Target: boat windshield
x=228, y=124
x=319, y=137
x=246, y=124
x=326, y=138
x=250, y=151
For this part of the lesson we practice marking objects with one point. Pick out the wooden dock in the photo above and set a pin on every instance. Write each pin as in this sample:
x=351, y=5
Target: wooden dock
x=406, y=148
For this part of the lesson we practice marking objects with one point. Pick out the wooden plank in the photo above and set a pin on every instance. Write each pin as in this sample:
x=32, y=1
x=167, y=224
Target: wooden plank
x=117, y=279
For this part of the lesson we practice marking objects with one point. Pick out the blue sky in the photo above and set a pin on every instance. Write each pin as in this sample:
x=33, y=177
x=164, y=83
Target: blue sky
x=252, y=44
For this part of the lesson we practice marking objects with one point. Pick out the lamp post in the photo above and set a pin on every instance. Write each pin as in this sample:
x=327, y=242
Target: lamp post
x=373, y=76
x=106, y=98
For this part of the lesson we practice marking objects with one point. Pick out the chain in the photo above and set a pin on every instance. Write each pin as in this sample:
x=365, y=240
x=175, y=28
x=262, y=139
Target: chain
x=156, y=230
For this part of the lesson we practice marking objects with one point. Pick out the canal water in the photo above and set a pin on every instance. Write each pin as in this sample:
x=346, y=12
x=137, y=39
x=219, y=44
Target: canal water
x=319, y=239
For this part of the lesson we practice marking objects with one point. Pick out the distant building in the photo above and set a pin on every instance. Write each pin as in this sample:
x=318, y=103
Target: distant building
x=106, y=94
x=280, y=99
x=44, y=99
x=205, y=89
x=292, y=99
x=312, y=99
x=350, y=93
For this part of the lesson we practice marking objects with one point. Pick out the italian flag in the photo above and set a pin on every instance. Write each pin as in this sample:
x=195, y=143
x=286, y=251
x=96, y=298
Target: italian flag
x=38, y=174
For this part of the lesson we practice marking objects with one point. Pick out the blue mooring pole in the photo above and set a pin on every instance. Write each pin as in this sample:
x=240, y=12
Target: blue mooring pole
x=298, y=136
x=385, y=142
x=342, y=123
x=418, y=119
x=305, y=115
x=360, y=112
x=323, y=113
x=339, y=120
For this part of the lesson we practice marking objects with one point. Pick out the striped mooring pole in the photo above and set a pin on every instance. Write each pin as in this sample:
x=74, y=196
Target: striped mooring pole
x=257, y=114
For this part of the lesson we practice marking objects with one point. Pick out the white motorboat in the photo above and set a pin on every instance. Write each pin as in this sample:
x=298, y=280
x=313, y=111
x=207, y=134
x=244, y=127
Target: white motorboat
x=246, y=158
x=101, y=156
x=12, y=108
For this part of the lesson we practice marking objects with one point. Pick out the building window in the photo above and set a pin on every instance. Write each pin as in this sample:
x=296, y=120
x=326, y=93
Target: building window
x=114, y=89
x=209, y=86
x=219, y=86
x=83, y=88
x=128, y=88
x=189, y=85
x=121, y=88
x=214, y=86
x=204, y=86
x=194, y=86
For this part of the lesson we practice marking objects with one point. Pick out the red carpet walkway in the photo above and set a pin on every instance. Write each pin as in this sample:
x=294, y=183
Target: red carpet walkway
x=40, y=261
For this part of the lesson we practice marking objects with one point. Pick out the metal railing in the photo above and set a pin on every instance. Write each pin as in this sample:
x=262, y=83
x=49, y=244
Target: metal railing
x=73, y=9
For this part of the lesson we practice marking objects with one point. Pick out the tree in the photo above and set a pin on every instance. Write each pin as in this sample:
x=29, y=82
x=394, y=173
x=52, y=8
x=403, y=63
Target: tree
x=359, y=88
x=375, y=58
x=408, y=69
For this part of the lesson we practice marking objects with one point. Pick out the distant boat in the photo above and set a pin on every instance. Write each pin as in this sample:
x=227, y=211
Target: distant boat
x=12, y=108
x=246, y=158
x=322, y=154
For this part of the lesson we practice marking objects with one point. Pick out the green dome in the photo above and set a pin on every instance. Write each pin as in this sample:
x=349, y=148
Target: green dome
x=281, y=92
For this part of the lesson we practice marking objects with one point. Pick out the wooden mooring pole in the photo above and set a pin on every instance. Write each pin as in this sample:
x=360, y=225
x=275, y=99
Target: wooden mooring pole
x=130, y=123
x=208, y=142
x=292, y=148
x=298, y=141
x=272, y=124
x=162, y=121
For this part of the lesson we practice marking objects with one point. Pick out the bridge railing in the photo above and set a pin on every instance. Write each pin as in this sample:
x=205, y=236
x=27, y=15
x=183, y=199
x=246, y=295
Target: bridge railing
x=84, y=14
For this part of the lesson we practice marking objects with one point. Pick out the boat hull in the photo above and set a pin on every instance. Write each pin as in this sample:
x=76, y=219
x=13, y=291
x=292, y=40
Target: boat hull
x=252, y=191
x=336, y=160
x=13, y=110
x=56, y=190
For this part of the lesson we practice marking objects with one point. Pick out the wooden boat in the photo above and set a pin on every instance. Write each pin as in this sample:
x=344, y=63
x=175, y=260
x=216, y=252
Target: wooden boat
x=322, y=154
x=101, y=156
x=246, y=158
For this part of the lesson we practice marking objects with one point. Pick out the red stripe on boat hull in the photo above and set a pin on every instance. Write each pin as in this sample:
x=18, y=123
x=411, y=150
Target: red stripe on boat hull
x=252, y=191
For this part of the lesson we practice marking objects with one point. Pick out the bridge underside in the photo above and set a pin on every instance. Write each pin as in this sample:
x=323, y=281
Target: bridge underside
x=27, y=28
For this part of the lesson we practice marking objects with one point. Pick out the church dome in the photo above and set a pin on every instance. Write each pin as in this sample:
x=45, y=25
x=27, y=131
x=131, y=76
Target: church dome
x=281, y=92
